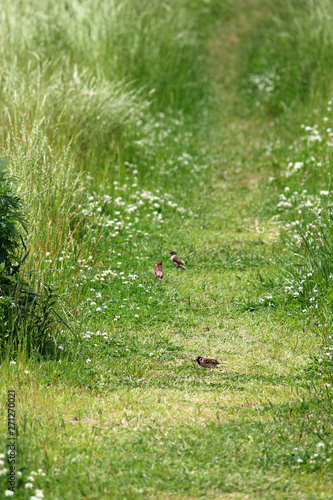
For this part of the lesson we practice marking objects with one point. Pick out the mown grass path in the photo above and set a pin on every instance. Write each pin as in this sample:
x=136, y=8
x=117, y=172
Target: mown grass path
x=179, y=431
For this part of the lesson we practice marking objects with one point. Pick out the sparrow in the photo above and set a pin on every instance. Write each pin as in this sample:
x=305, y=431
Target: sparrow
x=176, y=260
x=207, y=362
x=158, y=271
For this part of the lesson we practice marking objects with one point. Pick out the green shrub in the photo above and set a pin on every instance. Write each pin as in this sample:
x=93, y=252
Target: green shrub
x=12, y=218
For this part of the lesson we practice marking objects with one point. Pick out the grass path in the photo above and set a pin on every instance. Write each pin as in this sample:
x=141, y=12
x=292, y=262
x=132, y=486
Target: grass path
x=181, y=432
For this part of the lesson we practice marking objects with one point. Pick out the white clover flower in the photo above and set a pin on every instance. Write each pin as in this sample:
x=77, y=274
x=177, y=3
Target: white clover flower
x=299, y=460
x=325, y=193
x=98, y=309
x=30, y=478
x=9, y=493
x=88, y=361
x=29, y=485
x=2, y=455
x=12, y=362
x=320, y=445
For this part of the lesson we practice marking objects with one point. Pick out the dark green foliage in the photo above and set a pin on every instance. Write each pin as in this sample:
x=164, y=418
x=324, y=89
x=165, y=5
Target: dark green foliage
x=12, y=218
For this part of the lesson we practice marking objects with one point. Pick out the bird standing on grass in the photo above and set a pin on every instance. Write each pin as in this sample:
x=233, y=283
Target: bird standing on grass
x=176, y=260
x=158, y=271
x=207, y=362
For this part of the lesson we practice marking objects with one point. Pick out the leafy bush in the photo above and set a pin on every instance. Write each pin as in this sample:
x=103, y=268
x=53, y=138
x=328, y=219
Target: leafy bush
x=12, y=213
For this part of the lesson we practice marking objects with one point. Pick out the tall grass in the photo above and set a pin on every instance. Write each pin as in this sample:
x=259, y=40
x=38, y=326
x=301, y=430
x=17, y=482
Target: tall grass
x=290, y=62
x=305, y=212
x=48, y=181
x=92, y=111
x=153, y=44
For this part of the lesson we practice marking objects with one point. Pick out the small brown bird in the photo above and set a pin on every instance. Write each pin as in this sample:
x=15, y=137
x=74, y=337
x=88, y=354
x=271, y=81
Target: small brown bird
x=207, y=362
x=158, y=271
x=176, y=260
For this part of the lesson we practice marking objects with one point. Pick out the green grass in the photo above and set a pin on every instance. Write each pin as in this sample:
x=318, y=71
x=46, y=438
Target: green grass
x=289, y=63
x=123, y=410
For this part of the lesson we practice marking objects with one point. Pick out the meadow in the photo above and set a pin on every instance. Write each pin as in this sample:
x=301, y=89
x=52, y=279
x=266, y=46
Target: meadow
x=130, y=129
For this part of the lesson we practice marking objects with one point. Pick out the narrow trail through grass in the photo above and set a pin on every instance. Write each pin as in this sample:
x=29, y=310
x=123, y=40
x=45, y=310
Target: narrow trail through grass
x=166, y=428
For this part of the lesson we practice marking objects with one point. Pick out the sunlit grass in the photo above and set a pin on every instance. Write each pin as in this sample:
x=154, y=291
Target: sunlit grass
x=112, y=146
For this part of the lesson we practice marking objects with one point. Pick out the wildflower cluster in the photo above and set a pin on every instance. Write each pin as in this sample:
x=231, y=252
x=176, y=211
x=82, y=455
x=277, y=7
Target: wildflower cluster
x=263, y=84
x=25, y=480
x=305, y=209
x=301, y=456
